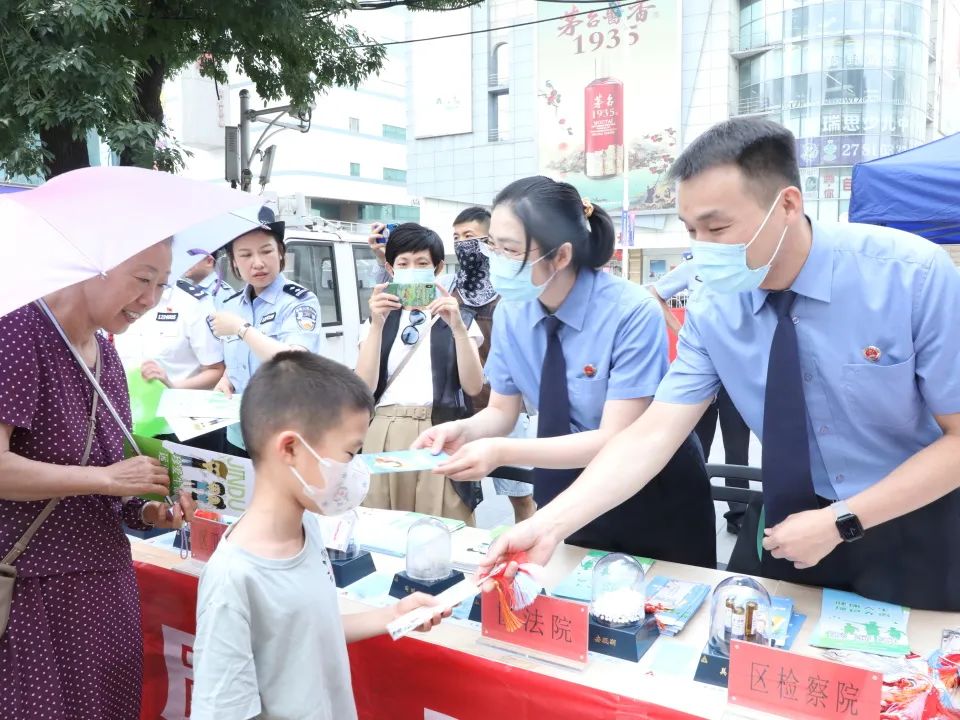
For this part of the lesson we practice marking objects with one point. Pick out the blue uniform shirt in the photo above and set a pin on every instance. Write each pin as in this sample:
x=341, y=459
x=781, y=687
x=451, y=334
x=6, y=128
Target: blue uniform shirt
x=614, y=342
x=285, y=311
x=877, y=314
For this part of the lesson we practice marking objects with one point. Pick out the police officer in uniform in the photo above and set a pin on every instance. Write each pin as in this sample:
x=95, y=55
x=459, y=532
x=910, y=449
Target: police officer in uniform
x=270, y=315
x=838, y=344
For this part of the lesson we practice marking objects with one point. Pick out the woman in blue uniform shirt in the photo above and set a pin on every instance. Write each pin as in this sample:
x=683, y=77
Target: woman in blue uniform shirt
x=270, y=315
x=588, y=350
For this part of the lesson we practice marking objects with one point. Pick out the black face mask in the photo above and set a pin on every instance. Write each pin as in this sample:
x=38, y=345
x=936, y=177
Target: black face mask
x=473, y=274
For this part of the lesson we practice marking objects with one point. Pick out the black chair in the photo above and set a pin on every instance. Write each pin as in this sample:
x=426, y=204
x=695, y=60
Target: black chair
x=509, y=472
x=722, y=493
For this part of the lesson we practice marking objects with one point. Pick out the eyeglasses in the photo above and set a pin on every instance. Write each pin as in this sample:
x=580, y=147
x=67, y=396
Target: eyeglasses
x=489, y=248
x=410, y=334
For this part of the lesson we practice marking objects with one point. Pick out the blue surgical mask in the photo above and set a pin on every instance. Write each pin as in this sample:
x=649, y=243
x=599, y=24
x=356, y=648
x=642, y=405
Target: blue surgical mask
x=414, y=276
x=724, y=268
x=513, y=280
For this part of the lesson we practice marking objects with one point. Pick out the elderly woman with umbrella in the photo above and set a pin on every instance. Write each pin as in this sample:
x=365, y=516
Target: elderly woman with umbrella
x=72, y=646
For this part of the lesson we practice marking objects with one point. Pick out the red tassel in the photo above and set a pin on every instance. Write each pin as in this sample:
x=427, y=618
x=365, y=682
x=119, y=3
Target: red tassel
x=510, y=619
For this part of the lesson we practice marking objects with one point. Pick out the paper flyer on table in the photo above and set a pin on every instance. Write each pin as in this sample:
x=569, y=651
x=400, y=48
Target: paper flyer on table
x=578, y=585
x=198, y=404
x=218, y=482
x=401, y=461
x=385, y=531
x=852, y=622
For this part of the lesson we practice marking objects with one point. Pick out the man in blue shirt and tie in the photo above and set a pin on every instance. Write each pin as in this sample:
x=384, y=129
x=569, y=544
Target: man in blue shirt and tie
x=838, y=345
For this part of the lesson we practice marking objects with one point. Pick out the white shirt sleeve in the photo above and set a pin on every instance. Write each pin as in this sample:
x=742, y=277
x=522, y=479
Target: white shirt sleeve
x=225, y=678
x=675, y=281
x=364, y=332
x=205, y=345
x=475, y=333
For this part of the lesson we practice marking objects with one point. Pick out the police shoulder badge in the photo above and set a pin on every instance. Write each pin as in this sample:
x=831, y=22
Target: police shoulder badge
x=298, y=291
x=306, y=316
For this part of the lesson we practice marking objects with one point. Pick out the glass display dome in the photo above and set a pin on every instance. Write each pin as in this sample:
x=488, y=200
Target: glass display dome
x=429, y=550
x=739, y=610
x=619, y=593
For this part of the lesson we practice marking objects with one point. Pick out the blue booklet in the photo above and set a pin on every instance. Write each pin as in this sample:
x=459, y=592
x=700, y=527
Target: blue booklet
x=402, y=461
x=674, y=602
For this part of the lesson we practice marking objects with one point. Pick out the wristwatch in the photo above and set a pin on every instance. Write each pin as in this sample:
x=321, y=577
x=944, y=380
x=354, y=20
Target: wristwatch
x=848, y=524
x=243, y=330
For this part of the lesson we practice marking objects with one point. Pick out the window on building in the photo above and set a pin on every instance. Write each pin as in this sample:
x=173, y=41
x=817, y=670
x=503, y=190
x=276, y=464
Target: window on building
x=355, y=169
x=500, y=65
x=394, y=132
x=355, y=125
x=394, y=175
x=499, y=117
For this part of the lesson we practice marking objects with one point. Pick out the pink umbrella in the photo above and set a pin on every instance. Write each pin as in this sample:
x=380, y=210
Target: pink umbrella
x=86, y=222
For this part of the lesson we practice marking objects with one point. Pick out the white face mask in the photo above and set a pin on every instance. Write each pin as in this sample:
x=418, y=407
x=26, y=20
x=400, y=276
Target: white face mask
x=346, y=487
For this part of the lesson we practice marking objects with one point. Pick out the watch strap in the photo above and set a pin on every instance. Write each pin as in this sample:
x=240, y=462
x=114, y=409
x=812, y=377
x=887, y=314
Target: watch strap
x=243, y=330
x=840, y=509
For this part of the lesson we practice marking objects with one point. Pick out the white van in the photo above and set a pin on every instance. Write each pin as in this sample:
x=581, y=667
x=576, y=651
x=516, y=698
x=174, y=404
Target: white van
x=341, y=271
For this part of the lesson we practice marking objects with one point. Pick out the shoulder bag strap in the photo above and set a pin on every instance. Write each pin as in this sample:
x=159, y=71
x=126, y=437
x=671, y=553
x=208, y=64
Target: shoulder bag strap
x=21, y=544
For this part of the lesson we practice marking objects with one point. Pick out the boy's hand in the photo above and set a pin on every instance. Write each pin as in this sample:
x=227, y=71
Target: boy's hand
x=418, y=600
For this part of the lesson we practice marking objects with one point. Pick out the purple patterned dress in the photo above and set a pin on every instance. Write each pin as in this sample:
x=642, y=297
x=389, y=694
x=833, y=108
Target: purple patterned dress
x=73, y=647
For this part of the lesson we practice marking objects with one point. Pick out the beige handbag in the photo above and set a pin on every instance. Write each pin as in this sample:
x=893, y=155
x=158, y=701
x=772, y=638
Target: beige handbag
x=8, y=573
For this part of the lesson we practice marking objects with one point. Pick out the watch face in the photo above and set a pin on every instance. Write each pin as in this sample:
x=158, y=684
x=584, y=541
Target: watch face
x=850, y=528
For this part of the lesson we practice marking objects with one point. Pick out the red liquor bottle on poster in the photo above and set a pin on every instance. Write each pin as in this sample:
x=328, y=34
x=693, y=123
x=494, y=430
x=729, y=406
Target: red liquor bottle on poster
x=603, y=122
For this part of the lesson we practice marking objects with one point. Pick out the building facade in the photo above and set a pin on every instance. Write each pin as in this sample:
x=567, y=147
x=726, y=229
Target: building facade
x=853, y=80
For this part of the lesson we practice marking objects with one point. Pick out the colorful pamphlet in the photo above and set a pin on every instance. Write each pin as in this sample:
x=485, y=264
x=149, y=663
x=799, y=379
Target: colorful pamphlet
x=218, y=482
x=674, y=602
x=402, y=461
x=781, y=610
x=578, y=585
x=852, y=622
x=385, y=531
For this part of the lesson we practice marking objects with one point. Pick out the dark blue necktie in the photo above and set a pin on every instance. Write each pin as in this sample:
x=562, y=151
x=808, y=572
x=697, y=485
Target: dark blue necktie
x=787, y=482
x=554, y=413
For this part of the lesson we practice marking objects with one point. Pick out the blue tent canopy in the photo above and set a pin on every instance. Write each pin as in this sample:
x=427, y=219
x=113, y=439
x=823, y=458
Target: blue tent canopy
x=917, y=191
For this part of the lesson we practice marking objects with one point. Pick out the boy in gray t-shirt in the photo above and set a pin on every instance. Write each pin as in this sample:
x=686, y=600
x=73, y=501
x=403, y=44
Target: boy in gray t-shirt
x=270, y=640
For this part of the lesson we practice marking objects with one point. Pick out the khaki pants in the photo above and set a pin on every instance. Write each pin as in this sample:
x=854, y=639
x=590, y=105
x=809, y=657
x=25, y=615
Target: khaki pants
x=395, y=427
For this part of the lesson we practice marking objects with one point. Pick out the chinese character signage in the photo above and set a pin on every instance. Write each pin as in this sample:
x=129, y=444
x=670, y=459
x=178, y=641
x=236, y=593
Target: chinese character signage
x=798, y=686
x=608, y=90
x=550, y=625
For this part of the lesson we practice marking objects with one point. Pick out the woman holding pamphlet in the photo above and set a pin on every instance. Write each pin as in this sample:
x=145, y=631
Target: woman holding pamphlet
x=419, y=359
x=588, y=350
x=72, y=647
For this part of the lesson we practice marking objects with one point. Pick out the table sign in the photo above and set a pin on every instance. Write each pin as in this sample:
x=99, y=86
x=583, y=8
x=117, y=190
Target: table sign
x=554, y=630
x=797, y=686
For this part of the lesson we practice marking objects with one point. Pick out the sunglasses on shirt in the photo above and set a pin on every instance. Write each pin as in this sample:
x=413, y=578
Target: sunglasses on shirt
x=411, y=333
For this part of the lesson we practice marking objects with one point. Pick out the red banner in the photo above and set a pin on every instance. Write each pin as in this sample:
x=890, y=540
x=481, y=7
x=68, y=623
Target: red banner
x=404, y=679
